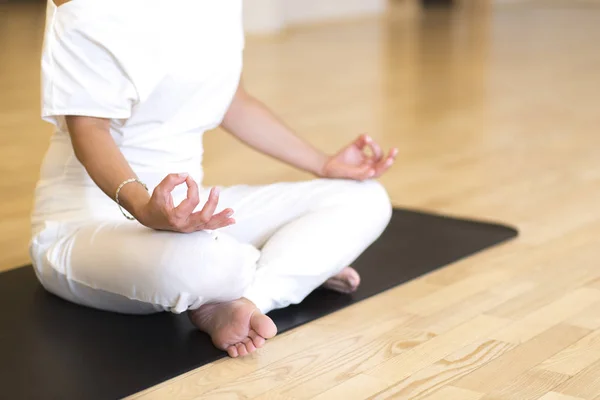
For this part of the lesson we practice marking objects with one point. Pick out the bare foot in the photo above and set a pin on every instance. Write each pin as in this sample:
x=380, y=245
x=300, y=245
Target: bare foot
x=346, y=281
x=237, y=327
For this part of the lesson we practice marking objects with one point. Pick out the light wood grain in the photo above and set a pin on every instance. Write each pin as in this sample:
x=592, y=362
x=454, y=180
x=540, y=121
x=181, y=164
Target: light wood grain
x=455, y=292
x=454, y=393
x=308, y=374
x=546, y=317
x=453, y=315
x=588, y=318
x=503, y=370
x=576, y=357
x=495, y=110
x=585, y=384
x=351, y=361
x=436, y=348
x=358, y=387
x=460, y=363
x=528, y=386
x=558, y=396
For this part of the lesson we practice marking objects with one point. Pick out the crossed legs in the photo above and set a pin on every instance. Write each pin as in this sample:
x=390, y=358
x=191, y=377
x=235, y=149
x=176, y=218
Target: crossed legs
x=289, y=239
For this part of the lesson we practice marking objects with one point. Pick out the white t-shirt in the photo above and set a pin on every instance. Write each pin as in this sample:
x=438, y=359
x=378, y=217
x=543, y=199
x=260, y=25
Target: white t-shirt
x=163, y=71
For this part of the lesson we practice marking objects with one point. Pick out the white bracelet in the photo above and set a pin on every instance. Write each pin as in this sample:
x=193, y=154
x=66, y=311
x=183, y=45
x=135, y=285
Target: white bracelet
x=125, y=182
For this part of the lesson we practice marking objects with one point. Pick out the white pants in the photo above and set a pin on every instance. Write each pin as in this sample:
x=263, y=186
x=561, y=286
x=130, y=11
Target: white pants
x=289, y=238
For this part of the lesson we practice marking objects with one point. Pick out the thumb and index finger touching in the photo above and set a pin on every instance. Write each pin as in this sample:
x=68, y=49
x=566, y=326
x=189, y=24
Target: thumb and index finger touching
x=189, y=204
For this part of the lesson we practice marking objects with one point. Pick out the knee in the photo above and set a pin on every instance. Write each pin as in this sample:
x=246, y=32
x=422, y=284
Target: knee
x=371, y=198
x=379, y=198
x=213, y=267
x=233, y=265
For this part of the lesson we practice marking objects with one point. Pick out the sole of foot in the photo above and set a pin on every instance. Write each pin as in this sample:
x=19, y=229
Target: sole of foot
x=236, y=327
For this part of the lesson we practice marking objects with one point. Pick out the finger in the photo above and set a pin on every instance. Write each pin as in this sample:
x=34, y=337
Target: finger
x=361, y=172
x=166, y=186
x=220, y=220
x=226, y=213
x=222, y=216
x=203, y=216
x=361, y=142
x=214, y=225
x=386, y=163
x=187, y=206
x=375, y=149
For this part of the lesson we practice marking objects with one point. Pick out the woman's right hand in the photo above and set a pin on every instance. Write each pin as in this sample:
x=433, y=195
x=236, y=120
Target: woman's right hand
x=160, y=214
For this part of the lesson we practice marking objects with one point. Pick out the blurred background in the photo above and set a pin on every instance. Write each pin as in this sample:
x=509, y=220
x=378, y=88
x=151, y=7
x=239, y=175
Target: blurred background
x=492, y=103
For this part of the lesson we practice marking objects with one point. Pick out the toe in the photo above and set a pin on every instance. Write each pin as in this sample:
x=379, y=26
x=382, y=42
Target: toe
x=258, y=340
x=263, y=325
x=241, y=349
x=353, y=278
x=249, y=345
x=232, y=351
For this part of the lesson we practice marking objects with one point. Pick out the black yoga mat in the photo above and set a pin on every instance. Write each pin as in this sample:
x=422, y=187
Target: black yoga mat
x=52, y=349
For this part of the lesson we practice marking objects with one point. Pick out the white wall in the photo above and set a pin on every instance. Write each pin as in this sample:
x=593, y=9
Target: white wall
x=270, y=16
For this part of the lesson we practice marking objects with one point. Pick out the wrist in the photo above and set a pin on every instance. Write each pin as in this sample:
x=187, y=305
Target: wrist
x=133, y=197
x=319, y=165
x=138, y=210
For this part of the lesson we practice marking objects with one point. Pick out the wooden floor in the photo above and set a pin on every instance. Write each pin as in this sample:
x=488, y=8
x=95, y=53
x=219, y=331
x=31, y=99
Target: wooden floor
x=497, y=115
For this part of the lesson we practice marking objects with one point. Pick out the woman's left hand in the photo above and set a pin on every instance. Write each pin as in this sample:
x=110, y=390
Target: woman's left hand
x=352, y=162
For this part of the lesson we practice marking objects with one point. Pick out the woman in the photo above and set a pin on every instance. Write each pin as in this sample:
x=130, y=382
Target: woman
x=120, y=222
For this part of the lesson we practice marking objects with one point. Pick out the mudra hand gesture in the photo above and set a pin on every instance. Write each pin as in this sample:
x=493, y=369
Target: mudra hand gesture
x=352, y=162
x=161, y=214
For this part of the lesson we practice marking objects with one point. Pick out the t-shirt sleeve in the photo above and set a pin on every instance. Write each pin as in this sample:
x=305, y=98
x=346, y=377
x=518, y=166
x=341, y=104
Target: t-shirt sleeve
x=81, y=75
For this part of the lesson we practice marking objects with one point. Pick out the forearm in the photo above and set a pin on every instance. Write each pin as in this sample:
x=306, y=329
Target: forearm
x=251, y=122
x=96, y=150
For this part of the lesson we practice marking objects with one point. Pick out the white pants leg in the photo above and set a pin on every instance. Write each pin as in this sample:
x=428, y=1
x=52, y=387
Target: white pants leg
x=306, y=231
x=124, y=267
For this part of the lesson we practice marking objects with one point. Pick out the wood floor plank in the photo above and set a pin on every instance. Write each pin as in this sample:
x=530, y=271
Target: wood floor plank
x=576, y=357
x=427, y=381
x=589, y=318
x=449, y=317
x=454, y=293
x=551, y=279
x=377, y=347
x=545, y=317
x=528, y=386
x=423, y=355
x=273, y=396
x=503, y=370
x=585, y=384
x=595, y=284
x=558, y=396
x=454, y=393
x=359, y=387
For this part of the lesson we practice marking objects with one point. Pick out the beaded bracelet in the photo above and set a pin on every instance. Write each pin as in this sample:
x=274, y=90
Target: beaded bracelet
x=129, y=217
